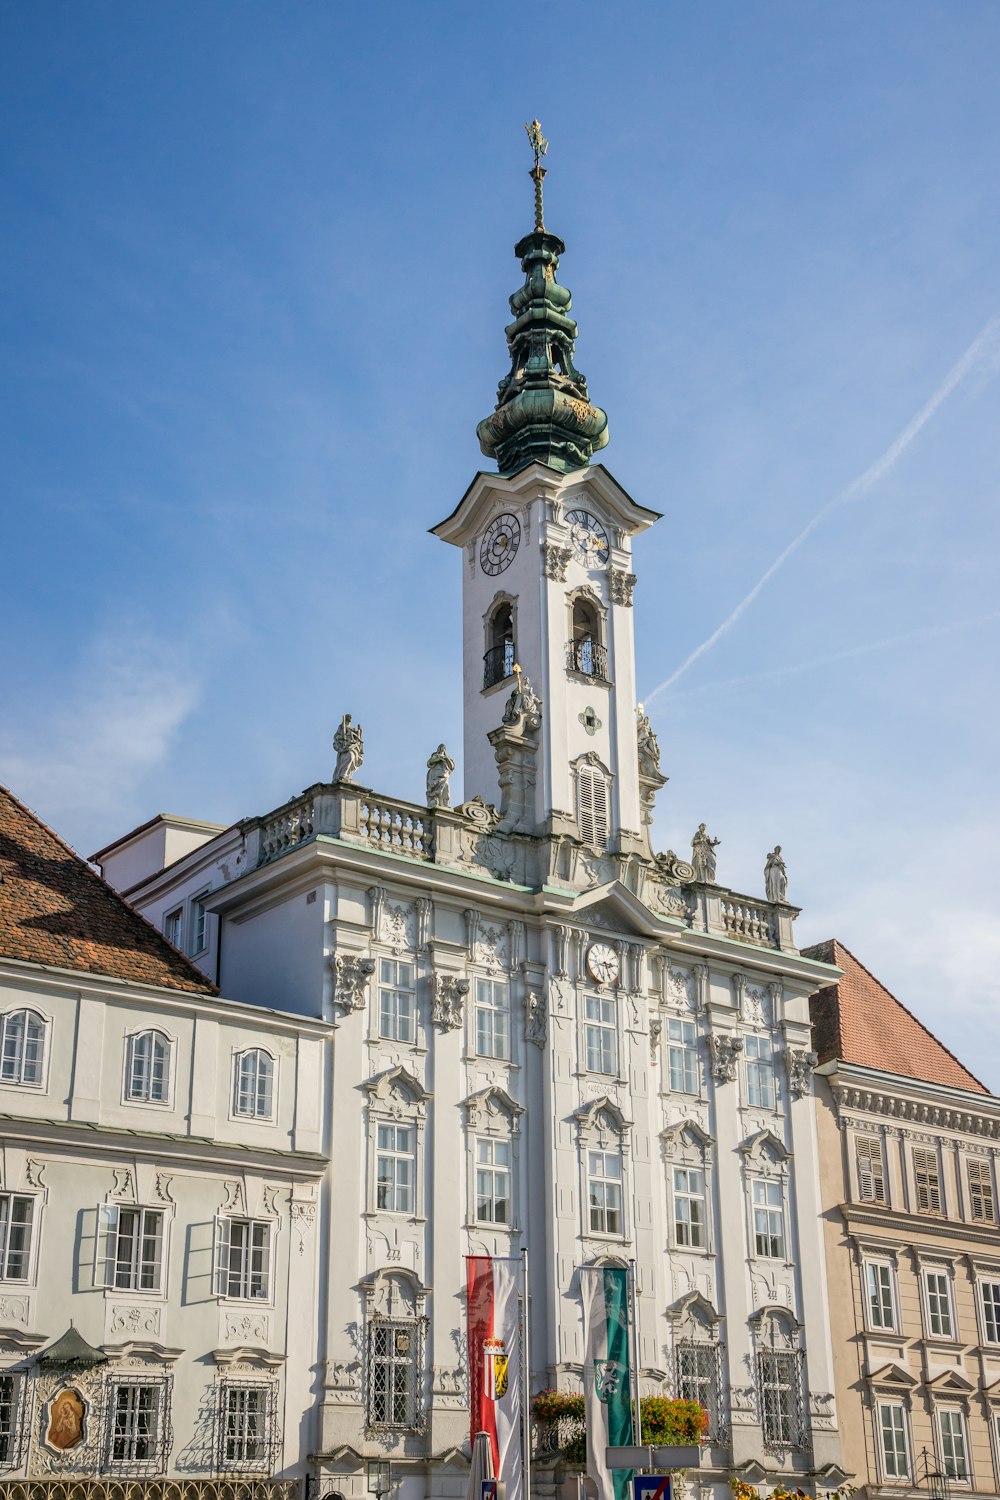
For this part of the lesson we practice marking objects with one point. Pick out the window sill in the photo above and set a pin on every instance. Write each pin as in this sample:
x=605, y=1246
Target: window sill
x=486, y=1227
x=399, y=1216
x=590, y=678
x=390, y=1041
x=619, y=1242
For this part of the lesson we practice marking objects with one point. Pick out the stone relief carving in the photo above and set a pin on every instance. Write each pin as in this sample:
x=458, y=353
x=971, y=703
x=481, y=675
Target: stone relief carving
x=124, y=1183
x=743, y=1401
x=14, y=1310
x=590, y=721
x=655, y=1031
x=725, y=1052
x=486, y=944
x=556, y=560
x=162, y=1189
x=353, y=971
x=33, y=1169
x=800, y=1067
x=269, y=1199
x=303, y=1217
x=822, y=1409
x=234, y=1203
x=621, y=585
x=399, y=926
x=448, y=1385
x=247, y=1327
x=649, y=745
x=127, y=1318
x=448, y=992
x=536, y=1023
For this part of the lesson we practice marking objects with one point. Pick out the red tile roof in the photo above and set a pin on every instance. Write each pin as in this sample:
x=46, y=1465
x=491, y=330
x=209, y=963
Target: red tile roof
x=55, y=910
x=857, y=1021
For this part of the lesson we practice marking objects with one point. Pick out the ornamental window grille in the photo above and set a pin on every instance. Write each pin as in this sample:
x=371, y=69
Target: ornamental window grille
x=871, y=1171
x=893, y=1440
x=779, y=1387
x=604, y=1192
x=982, y=1204
x=395, y=1362
x=492, y=1018
x=138, y=1435
x=698, y=1377
x=395, y=1167
x=243, y=1249
x=768, y=1219
x=879, y=1294
x=247, y=1427
x=592, y=805
x=17, y=1216
x=759, y=1071
x=954, y=1448
x=989, y=1294
x=253, y=1084
x=937, y=1297
x=147, y=1067
x=13, y=1423
x=492, y=1180
x=22, y=1048
x=601, y=1034
x=682, y=1056
x=689, y=1207
x=927, y=1181
x=137, y=1248
x=586, y=651
x=395, y=1000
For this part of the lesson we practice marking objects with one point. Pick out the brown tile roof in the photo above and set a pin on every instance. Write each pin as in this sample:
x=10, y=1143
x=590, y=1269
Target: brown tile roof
x=55, y=910
x=857, y=1021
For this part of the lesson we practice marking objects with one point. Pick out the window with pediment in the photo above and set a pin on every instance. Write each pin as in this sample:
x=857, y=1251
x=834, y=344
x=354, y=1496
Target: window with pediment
x=396, y=1121
x=698, y=1359
x=493, y=1119
x=687, y=1149
x=603, y=1140
x=394, y=1352
x=766, y=1166
x=778, y=1359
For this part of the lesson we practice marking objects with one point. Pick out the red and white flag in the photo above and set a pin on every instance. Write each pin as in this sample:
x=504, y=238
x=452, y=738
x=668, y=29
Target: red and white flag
x=495, y=1362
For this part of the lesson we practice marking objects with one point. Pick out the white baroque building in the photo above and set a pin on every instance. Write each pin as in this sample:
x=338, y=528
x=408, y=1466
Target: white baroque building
x=546, y=1036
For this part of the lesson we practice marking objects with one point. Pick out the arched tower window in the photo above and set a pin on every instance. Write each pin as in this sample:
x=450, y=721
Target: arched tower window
x=586, y=651
x=499, y=657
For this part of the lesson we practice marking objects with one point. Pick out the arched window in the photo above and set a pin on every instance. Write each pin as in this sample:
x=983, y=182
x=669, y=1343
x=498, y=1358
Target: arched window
x=22, y=1047
x=778, y=1362
x=592, y=804
x=498, y=661
x=147, y=1069
x=586, y=652
x=253, y=1085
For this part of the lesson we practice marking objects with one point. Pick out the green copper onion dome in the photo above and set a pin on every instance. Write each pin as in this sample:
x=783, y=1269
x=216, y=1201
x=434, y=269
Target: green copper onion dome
x=543, y=412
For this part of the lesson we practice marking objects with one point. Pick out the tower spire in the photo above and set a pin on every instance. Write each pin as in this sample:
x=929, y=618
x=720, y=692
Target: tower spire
x=543, y=412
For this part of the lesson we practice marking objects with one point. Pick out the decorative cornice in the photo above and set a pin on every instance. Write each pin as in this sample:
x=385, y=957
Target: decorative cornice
x=876, y=1101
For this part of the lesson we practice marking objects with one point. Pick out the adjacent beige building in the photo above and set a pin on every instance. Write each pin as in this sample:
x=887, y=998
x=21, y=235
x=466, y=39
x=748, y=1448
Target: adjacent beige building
x=908, y=1158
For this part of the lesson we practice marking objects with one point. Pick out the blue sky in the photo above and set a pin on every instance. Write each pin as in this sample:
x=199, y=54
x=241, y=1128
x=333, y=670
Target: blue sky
x=256, y=267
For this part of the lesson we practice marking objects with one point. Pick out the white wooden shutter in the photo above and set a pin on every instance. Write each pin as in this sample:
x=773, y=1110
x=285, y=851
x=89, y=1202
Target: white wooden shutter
x=221, y=1256
x=981, y=1192
x=928, y=1185
x=106, y=1244
x=871, y=1178
x=600, y=809
x=585, y=803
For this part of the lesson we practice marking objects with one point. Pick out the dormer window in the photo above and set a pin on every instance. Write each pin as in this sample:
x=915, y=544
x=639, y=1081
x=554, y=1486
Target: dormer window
x=499, y=657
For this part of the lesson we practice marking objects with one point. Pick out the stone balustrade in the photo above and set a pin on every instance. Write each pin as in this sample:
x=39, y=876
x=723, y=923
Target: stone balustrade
x=397, y=827
x=284, y=829
x=747, y=920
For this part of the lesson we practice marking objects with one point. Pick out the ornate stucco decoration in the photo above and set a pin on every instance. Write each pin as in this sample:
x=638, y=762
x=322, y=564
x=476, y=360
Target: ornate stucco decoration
x=555, y=561
x=800, y=1068
x=725, y=1052
x=621, y=585
x=686, y=1134
x=536, y=1021
x=448, y=992
x=655, y=1032
x=353, y=971
x=491, y=1103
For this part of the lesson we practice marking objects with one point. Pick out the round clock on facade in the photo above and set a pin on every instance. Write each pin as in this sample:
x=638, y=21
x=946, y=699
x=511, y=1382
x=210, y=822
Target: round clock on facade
x=500, y=543
x=602, y=963
x=589, y=538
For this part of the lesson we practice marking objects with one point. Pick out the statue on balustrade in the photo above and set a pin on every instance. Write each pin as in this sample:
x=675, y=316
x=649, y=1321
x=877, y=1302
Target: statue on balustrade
x=703, y=855
x=775, y=876
x=523, y=708
x=350, y=748
x=439, y=768
x=649, y=748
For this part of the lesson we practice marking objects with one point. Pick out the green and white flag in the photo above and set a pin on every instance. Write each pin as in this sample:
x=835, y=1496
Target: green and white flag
x=607, y=1374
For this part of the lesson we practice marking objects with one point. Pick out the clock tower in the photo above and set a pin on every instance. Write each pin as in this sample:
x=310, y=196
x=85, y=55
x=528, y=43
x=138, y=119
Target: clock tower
x=549, y=668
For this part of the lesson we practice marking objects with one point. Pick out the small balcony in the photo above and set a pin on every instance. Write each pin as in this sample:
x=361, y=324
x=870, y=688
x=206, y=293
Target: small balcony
x=498, y=663
x=588, y=657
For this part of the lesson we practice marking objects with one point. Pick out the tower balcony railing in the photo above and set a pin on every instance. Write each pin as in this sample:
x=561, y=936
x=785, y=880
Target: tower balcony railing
x=498, y=663
x=588, y=657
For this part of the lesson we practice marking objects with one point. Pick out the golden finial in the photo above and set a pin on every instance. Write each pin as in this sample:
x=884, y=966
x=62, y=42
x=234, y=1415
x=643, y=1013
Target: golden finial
x=517, y=673
x=540, y=146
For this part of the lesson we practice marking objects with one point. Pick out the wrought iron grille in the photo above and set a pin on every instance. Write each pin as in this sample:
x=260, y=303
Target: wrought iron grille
x=498, y=663
x=394, y=1373
x=588, y=657
x=698, y=1377
x=779, y=1391
x=14, y=1423
x=246, y=1427
x=138, y=1425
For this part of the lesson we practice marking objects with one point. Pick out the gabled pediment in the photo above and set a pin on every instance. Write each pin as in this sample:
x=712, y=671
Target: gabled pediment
x=893, y=1375
x=384, y=1085
x=992, y=1391
x=492, y=1101
x=621, y=909
x=687, y=1131
x=695, y=1307
x=456, y=1457
x=950, y=1381
x=589, y=1115
x=765, y=1143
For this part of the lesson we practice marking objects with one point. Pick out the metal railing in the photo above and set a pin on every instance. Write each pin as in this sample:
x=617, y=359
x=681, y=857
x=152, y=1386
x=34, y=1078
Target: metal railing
x=498, y=663
x=588, y=657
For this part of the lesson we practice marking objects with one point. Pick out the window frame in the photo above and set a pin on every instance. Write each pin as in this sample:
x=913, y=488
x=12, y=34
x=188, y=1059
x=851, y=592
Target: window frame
x=873, y=1147
x=379, y=1325
x=690, y=1198
x=198, y=923
x=499, y=1022
x=155, y=1462
x=592, y=804
x=604, y=1181
x=222, y=1260
x=268, y=1440
x=493, y=1169
x=759, y=1073
x=18, y=1426
x=30, y=1253
x=393, y=988
x=940, y=1412
x=132, y=1039
x=932, y=1190
x=769, y=1208
x=246, y=1116
x=874, y=1263
x=790, y=1360
x=605, y=1029
x=690, y=1055
x=30, y=1013
x=109, y=1242
x=710, y=1350
x=985, y=1189
x=173, y=927
x=881, y=1404
x=393, y=1154
x=939, y=1273
x=982, y=1282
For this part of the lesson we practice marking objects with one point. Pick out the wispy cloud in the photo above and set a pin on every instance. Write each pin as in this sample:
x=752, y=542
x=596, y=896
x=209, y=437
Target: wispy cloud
x=869, y=648
x=981, y=357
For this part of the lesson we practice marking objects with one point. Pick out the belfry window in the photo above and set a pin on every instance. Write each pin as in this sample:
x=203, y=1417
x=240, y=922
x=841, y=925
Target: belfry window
x=592, y=804
x=586, y=652
x=498, y=661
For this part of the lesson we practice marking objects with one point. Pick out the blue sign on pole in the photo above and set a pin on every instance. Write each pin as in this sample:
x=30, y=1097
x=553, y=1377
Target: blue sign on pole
x=651, y=1487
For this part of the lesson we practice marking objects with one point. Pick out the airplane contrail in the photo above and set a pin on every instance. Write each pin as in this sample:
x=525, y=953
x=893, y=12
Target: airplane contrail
x=986, y=343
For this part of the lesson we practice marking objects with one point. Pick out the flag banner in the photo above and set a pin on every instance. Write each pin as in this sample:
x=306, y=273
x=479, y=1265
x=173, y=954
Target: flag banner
x=495, y=1363
x=607, y=1374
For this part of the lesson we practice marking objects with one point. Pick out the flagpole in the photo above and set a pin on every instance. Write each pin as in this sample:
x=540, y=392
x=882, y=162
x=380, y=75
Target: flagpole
x=525, y=1389
x=635, y=1353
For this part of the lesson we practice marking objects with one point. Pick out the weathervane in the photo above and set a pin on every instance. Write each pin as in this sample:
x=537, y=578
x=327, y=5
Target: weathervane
x=539, y=145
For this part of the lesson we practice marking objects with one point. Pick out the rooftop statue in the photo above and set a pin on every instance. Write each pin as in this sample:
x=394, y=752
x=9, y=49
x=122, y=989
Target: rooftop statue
x=775, y=876
x=350, y=747
x=439, y=769
x=703, y=855
x=649, y=747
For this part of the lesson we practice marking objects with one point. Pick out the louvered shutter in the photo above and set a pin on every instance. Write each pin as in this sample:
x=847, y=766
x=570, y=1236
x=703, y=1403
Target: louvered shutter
x=981, y=1192
x=585, y=787
x=928, y=1185
x=600, y=809
x=871, y=1178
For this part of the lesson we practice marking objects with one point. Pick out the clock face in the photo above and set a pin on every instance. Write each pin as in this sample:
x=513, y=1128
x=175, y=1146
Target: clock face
x=602, y=963
x=500, y=544
x=589, y=538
